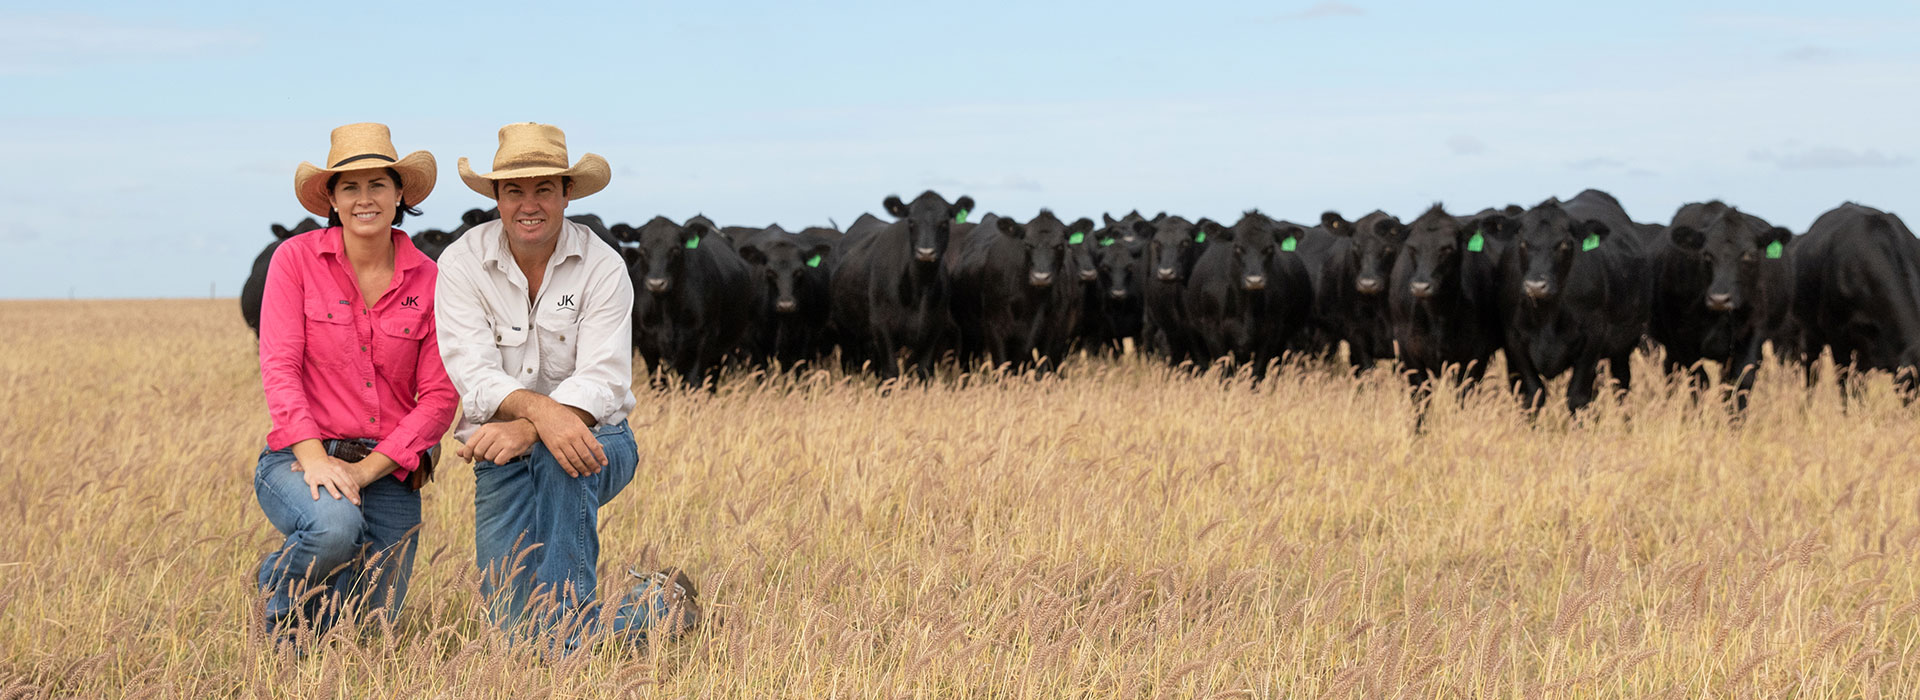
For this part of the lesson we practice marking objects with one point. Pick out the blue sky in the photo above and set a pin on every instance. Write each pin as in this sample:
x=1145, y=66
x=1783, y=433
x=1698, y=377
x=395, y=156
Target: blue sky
x=150, y=147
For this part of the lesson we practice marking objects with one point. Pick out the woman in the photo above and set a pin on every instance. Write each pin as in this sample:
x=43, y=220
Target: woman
x=354, y=384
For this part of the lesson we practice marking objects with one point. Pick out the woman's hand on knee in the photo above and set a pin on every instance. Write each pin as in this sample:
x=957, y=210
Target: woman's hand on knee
x=335, y=476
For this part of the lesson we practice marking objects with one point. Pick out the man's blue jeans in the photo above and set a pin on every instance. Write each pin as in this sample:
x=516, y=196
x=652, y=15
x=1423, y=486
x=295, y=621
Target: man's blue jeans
x=535, y=529
x=329, y=534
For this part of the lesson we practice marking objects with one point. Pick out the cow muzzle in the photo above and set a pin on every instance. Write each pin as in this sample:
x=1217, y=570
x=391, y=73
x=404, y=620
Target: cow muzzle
x=1720, y=302
x=1117, y=294
x=1421, y=290
x=658, y=285
x=785, y=306
x=926, y=254
x=1536, y=289
x=1089, y=275
x=1165, y=274
x=1254, y=283
x=1367, y=285
x=1040, y=279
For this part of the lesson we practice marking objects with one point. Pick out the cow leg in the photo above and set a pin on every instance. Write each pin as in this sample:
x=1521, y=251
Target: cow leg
x=1580, y=389
x=1620, y=367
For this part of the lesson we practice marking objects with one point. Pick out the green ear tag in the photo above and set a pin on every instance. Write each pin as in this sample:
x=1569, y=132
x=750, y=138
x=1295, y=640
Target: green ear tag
x=1200, y=237
x=813, y=261
x=1774, y=249
x=1592, y=242
x=1076, y=239
x=1104, y=242
x=1290, y=244
x=962, y=218
x=1477, y=243
x=693, y=243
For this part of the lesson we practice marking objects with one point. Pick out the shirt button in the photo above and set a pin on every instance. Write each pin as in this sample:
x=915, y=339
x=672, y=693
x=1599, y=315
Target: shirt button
x=369, y=385
x=407, y=331
x=329, y=315
x=370, y=420
x=363, y=348
x=563, y=339
x=496, y=339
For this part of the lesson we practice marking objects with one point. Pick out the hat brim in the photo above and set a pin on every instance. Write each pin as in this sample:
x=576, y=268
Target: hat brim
x=590, y=174
x=418, y=172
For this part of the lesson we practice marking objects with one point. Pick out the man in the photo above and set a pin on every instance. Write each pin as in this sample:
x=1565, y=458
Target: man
x=536, y=330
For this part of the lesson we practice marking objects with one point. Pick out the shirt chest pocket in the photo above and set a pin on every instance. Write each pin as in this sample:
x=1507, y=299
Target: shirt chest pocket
x=331, y=340
x=398, y=339
x=559, y=336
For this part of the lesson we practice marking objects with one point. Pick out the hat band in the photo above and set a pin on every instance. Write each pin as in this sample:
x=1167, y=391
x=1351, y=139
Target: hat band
x=363, y=156
x=534, y=162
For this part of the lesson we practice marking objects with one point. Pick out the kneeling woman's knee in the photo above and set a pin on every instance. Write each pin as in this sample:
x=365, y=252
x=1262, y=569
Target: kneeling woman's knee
x=335, y=535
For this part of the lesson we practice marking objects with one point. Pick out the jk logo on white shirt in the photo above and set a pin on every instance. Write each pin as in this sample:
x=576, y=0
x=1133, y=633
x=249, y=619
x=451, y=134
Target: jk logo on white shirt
x=566, y=302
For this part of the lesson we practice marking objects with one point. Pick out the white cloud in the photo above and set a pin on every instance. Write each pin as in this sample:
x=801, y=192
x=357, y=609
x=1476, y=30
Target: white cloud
x=1831, y=157
x=1323, y=11
x=40, y=44
x=1464, y=145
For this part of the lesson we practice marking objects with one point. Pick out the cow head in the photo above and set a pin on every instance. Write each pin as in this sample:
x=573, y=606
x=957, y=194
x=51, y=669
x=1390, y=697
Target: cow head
x=1173, y=244
x=1546, y=242
x=1045, y=241
x=1117, y=259
x=475, y=217
x=1431, y=248
x=1375, y=247
x=930, y=219
x=1256, y=240
x=783, y=262
x=1729, y=247
x=663, y=249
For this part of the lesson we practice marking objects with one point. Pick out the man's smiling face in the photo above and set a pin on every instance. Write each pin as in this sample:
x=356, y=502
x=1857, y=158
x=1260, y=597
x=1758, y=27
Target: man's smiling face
x=532, y=208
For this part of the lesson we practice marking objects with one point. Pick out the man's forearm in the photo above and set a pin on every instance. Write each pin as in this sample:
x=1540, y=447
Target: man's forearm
x=525, y=403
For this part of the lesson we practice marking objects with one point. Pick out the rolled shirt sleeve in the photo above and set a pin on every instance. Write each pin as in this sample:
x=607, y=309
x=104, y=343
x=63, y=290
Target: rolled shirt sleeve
x=283, y=347
x=466, y=340
x=603, y=355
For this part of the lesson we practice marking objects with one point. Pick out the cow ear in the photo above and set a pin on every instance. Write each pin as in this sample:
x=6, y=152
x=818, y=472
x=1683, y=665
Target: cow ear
x=694, y=231
x=474, y=217
x=894, y=206
x=1108, y=219
x=1208, y=229
x=624, y=233
x=1390, y=231
x=1335, y=224
x=753, y=255
x=819, y=251
x=1775, y=235
x=1592, y=233
x=1083, y=226
x=1514, y=210
x=1499, y=227
x=1687, y=237
x=1010, y=227
x=630, y=255
x=960, y=207
x=280, y=233
x=1143, y=229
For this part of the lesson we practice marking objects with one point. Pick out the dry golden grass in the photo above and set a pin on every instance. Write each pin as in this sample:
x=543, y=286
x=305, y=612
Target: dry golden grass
x=1123, y=532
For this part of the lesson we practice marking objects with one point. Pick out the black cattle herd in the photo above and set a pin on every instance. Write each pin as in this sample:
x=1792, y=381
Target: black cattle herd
x=1557, y=289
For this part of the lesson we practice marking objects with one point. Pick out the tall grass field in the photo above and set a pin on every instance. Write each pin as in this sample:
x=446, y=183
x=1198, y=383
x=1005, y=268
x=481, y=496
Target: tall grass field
x=1120, y=530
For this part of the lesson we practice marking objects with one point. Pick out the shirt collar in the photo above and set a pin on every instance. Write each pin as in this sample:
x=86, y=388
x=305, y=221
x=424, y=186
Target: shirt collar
x=405, y=256
x=493, y=247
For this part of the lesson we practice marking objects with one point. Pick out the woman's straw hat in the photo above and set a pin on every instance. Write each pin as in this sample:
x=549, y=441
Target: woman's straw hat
x=364, y=147
x=538, y=150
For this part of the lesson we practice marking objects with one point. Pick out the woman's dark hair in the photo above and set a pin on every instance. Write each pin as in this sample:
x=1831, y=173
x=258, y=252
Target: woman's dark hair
x=399, y=213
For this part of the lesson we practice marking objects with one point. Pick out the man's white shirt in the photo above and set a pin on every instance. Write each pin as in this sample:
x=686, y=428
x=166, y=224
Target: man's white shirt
x=573, y=343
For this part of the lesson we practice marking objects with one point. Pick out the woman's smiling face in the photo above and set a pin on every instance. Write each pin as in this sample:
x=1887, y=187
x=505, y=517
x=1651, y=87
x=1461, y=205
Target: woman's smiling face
x=366, y=200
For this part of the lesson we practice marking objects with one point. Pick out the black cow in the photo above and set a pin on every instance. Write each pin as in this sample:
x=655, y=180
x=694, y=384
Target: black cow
x=1173, y=245
x=256, y=284
x=433, y=242
x=1248, y=294
x=1722, y=286
x=1575, y=289
x=1115, y=308
x=790, y=321
x=1017, y=292
x=1857, y=292
x=1354, y=262
x=890, y=289
x=692, y=299
x=1442, y=296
